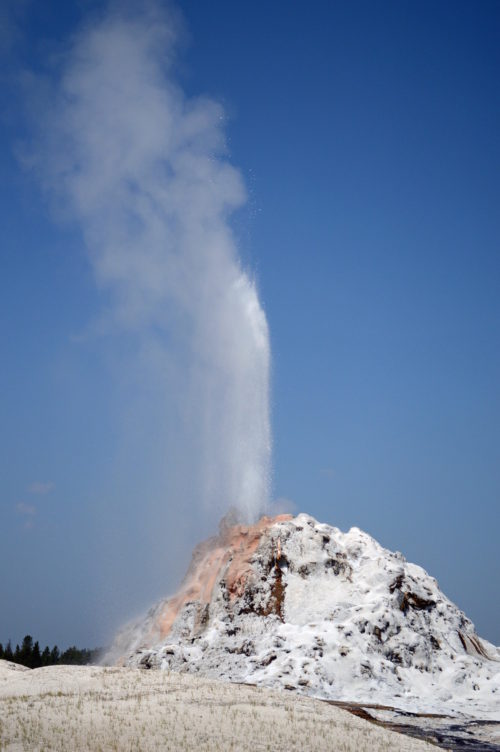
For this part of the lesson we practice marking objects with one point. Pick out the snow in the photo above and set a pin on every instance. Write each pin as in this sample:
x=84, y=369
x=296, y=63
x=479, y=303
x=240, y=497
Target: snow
x=332, y=615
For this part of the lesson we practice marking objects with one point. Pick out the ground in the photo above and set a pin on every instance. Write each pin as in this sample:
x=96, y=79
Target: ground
x=93, y=708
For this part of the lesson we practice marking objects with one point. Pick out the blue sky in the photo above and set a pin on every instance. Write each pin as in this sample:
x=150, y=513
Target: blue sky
x=367, y=136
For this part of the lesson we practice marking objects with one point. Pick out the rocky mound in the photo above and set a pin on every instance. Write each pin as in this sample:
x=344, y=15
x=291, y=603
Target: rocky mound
x=296, y=604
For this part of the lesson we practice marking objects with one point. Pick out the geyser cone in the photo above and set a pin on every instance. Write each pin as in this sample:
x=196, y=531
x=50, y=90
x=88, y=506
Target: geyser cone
x=293, y=603
x=225, y=558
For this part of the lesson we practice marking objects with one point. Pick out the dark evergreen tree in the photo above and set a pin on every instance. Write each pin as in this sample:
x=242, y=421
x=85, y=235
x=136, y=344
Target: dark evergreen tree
x=29, y=654
x=26, y=653
x=36, y=658
x=75, y=657
x=95, y=655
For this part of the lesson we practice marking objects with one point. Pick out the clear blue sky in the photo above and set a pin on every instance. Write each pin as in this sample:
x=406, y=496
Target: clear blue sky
x=368, y=137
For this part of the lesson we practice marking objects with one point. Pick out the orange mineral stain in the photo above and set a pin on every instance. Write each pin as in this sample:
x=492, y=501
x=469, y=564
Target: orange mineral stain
x=230, y=553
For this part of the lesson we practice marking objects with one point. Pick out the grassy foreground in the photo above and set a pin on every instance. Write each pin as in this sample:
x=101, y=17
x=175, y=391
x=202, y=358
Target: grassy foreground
x=93, y=708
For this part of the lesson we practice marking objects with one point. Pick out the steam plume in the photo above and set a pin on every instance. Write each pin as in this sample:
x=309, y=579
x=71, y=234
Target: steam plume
x=142, y=168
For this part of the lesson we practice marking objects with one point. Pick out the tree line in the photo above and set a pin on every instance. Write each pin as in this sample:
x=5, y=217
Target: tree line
x=30, y=655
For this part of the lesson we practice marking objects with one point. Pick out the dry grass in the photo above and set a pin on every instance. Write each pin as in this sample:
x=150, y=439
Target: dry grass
x=100, y=709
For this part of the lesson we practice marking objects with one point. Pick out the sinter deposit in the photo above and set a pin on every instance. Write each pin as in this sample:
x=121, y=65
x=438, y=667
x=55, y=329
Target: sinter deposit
x=87, y=709
x=294, y=604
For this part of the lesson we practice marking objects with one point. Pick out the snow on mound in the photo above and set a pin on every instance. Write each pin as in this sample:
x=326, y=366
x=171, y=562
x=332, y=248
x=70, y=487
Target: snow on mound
x=296, y=604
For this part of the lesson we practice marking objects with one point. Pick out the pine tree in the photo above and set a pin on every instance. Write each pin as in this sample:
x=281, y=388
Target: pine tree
x=26, y=653
x=8, y=656
x=36, y=658
x=29, y=654
x=73, y=657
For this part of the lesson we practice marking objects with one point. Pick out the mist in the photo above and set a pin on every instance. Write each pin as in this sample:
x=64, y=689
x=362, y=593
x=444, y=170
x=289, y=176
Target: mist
x=142, y=171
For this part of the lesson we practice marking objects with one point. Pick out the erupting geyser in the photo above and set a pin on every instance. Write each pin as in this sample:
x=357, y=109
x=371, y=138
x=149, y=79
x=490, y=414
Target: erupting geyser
x=143, y=170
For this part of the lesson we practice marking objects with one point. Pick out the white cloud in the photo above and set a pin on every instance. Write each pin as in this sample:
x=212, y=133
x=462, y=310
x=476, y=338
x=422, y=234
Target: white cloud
x=40, y=488
x=26, y=509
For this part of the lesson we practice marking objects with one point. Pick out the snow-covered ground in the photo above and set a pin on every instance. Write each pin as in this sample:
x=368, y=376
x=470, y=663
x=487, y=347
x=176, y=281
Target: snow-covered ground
x=295, y=604
x=92, y=708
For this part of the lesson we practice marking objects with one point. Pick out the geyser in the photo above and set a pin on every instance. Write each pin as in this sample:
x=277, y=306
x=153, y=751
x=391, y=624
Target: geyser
x=143, y=169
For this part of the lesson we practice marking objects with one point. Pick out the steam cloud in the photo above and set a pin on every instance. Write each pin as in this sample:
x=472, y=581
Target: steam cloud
x=143, y=170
